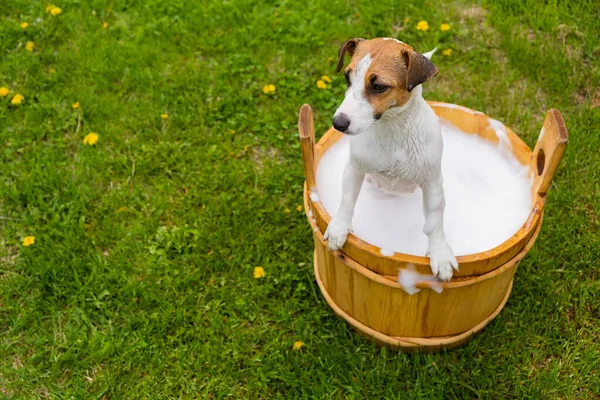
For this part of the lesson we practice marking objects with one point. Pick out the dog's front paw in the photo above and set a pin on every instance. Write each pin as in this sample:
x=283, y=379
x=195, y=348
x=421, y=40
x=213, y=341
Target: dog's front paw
x=442, y=261
x=337, y=232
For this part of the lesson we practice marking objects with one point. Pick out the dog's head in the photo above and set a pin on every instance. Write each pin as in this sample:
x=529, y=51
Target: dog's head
x=380, y=77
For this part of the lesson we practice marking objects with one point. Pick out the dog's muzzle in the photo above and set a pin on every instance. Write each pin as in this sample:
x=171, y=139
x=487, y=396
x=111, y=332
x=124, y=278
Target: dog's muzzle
x=341, y=122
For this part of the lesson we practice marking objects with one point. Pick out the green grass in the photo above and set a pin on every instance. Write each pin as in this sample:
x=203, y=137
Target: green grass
x=139, y=284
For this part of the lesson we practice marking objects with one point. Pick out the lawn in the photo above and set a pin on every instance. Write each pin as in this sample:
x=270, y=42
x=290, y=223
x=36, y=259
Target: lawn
x=139, y=283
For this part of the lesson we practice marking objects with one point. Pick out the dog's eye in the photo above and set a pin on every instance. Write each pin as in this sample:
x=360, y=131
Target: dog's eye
x=378, y=88
x=347, y=78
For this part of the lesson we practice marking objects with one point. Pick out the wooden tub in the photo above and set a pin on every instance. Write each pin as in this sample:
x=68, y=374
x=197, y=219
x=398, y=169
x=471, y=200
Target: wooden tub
x=359, y=283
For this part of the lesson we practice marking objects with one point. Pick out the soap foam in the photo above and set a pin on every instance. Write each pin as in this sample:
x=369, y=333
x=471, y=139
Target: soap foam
x=387, y=252
x=488, y=197
x=503, y=141
x=409, y=277
x=315, y=197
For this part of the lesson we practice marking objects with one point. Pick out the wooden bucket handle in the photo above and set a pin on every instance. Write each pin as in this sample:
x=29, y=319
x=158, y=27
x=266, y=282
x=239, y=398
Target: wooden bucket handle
x=306, y=131
x=548, y=151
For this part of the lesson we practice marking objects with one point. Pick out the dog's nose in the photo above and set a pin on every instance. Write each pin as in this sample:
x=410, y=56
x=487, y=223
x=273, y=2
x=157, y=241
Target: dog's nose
x=341, y=122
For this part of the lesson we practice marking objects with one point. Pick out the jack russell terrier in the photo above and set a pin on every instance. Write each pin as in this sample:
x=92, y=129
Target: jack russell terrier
x=395, y=138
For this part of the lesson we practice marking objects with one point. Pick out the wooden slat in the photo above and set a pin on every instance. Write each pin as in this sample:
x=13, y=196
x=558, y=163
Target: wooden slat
x=384, y=306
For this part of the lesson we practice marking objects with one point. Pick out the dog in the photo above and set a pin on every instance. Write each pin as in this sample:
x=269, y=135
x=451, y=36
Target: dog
x=395, y=138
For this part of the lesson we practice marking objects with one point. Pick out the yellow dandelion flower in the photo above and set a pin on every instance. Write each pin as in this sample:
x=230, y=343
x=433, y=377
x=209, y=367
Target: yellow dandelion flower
x=298, y=345
x=28, y=241
x=24, y=25
x=49, y=8
x=90, y=139
x=164, y=116
x=55, y=11
x=321, y=84
x=287, y=211
x=268, y=89
x=447, y=52
x=445, y=27
x=298, y=208
x=17, y=99
x=325, y=78
x=105, y=25
x=29, y=46
x=233, y=131
x=51, y=70
x=422, y=26
x=4, y=91
x=76, y=105
x=259, y=272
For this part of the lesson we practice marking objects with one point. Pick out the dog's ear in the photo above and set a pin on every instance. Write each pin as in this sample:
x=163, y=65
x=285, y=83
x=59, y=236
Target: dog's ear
x=419, y=69
x=348, y=46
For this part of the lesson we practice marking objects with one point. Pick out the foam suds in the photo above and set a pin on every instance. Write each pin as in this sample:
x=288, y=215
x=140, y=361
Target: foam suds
x=488, y=198
x=503, y=141
x=387, y=252
x=430, y=53
x=314, y=196
x=408, y=278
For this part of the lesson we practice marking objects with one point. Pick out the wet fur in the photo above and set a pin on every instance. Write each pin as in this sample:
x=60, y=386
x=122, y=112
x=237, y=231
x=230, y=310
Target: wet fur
x=395, y=138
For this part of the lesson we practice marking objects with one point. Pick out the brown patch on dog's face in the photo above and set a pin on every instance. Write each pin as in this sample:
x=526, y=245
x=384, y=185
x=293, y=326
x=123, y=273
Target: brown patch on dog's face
x=386, y=80
x=395, y=70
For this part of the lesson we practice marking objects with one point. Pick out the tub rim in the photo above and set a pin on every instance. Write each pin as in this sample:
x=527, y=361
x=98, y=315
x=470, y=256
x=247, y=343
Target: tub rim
x=463, y=282
x=478, y=123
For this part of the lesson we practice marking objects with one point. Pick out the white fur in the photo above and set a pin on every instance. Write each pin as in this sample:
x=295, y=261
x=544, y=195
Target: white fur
x=401, y=150
x=355, y=105
x=393, y=39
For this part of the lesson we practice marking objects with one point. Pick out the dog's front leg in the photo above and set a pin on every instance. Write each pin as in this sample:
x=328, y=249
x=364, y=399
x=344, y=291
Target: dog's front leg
x=341, y=222
x=441, y=258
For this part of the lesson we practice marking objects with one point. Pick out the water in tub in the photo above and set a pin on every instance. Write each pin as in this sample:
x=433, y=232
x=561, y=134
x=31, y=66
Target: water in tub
x=488, y=197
